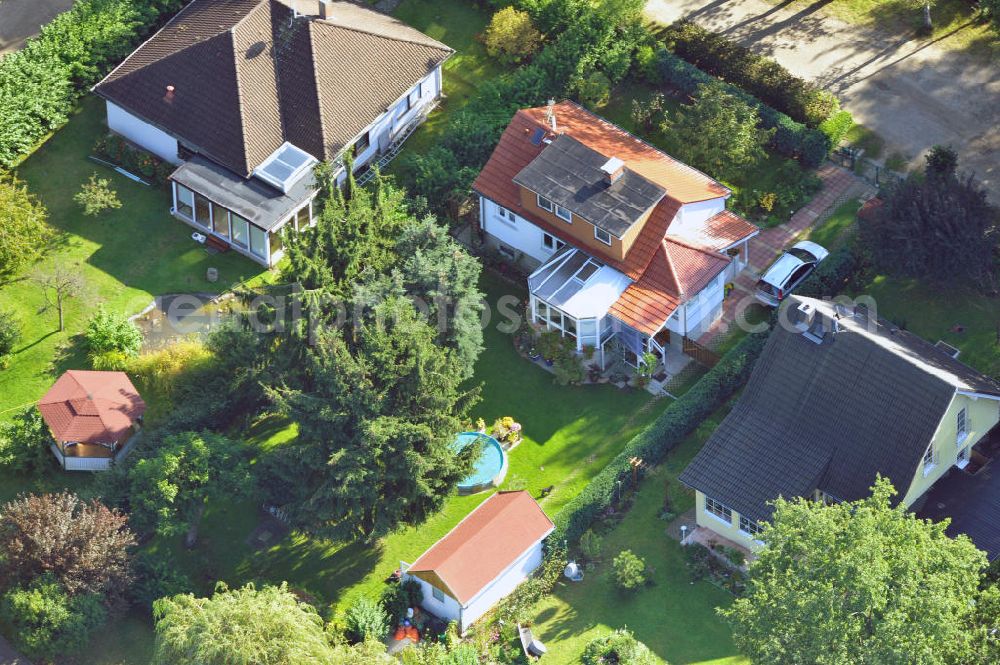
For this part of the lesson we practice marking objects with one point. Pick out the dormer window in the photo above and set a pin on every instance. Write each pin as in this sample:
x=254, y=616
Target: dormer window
x=564, y=214
x=285, y=166
x=544, y=203
x=602, y=235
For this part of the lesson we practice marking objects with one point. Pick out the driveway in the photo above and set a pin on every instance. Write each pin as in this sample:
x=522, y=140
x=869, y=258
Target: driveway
x=20, y=19
x=912, y=93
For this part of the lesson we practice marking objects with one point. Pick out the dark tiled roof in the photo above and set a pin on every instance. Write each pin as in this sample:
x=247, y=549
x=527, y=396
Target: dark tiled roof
x=569, y=173
x=830, y=416
x=249, y=75
x=972, y=503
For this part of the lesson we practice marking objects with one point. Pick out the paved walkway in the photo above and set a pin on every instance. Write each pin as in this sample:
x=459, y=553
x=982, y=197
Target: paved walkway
x=911, y=92
x=839, y=185
x=21, y=19
x=10, y=657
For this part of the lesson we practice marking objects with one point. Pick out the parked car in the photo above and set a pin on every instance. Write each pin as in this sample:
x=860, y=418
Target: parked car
x=793, y=266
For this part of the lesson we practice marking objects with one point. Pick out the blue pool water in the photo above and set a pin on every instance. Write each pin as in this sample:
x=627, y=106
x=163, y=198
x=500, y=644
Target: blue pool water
x=490, y=463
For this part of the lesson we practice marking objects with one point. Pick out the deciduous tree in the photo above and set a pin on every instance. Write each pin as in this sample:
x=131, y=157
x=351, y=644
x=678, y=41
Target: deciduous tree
x=719, y=133
x=857, y=582
x=620, y=647
x=24, y=443
x=60, y=282
x=169, y=487
x=24, y=229
x=510, y=36
x=936, y=225
x=86, y=546
x=267, y=626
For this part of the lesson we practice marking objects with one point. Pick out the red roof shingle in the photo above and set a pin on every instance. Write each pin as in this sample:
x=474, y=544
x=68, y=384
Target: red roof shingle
x=91, y=407
x=483, y=545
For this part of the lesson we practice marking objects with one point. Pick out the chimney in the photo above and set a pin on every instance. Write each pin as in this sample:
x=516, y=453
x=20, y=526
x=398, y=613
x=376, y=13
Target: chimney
x=613, y=170
x=326, y=10
x=550, y=114
x=169, y=97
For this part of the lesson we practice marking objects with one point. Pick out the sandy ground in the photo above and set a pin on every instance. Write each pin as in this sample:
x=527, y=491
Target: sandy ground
x=911, y=92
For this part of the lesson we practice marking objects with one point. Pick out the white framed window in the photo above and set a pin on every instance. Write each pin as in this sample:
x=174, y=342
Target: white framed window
x=602, y=235
x=413, y=98
x=719, y=510
x=929, y=458
x=438, y=594
x=564, y=214
x=506, y=215
x=551, y=243
x=241, y=230
x=962, y=424
x=258, y=241
x=750, y=527
x=185, y=201
x=544, y=203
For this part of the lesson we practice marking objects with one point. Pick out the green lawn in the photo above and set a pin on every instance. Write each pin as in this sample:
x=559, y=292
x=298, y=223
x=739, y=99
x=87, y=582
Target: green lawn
x=125, y=256
x=674, y=618
x=936, y=313
x=834, y=231
x=570, y=434
x=456, y=23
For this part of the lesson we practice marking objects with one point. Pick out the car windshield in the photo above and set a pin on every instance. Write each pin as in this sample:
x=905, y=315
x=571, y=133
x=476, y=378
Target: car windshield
x=766, y=288
x=802, y=254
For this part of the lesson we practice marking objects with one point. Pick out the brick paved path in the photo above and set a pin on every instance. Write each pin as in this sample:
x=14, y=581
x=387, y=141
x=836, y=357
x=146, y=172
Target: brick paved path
x=839, y=185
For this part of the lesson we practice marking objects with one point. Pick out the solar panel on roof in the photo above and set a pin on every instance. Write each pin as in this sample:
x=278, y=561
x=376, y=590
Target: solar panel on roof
x=536, y=138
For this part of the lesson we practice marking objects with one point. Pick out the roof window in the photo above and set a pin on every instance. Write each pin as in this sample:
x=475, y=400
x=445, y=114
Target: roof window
x=285, y=166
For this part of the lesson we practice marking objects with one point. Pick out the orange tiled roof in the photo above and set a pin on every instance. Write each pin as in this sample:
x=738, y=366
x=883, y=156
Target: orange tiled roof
x=676, y=270
x=483, y=545
x=663, y=268
x=91, y=407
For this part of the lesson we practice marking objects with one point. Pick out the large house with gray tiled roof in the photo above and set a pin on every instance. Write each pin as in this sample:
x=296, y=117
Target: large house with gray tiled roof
x=630, y=249
x=838, y=397
x=246, y=96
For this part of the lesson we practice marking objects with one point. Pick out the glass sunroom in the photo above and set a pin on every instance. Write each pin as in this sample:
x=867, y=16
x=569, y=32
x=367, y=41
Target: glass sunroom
x=248, y=215
x=572, y=293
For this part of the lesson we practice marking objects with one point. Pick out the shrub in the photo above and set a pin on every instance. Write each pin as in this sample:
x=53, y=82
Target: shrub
x=110, y=332
x=837, y=126
x=511, y=37
x=96, y=196
x=23, y=218
x=591, y=545
x=24, y=443
x=630, y=571
x=397, y=598
x=115, y=149
x=366, y=620
x=170, y=371
x=617, y=648
x=593, y=89
x=44, y=621
x=759, y=75
x=791, y=138
x=40, y=83
x=10, y=334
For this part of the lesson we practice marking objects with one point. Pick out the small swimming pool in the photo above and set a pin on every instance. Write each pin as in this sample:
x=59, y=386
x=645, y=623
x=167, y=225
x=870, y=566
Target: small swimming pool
x=491, y=467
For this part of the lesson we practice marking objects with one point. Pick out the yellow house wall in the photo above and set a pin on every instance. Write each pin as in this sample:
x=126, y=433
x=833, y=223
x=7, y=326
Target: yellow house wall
x=981, y=413
x=713, y=523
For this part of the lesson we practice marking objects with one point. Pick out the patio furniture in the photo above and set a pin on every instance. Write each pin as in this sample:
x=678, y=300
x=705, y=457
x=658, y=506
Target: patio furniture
x=532, y=647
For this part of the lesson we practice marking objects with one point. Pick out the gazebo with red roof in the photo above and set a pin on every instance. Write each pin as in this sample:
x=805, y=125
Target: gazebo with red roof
x=92, y=416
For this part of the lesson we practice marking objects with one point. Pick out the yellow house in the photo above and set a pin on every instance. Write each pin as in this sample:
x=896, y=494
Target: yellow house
x=837, y=397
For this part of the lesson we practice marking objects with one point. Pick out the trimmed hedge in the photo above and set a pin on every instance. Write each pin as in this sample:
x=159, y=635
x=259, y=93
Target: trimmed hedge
x=792, y=139
x=663, y=435
x=834, y=276
x=40, y=83
x=759, y=75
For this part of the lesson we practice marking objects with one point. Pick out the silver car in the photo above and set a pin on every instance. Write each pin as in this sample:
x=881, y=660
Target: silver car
x=793, y=266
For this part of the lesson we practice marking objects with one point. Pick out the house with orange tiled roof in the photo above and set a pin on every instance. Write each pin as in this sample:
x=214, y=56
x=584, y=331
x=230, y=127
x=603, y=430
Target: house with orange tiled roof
x=630, y=248
x=483, y=559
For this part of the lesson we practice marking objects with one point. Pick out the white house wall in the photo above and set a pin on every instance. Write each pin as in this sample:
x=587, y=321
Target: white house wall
x=692, y=216
x=142, y=133
x=522, y=235
x=383, y=130
x=502, y=586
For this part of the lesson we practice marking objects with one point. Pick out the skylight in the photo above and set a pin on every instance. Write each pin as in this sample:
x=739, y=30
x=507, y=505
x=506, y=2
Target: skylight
x=284, y=167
